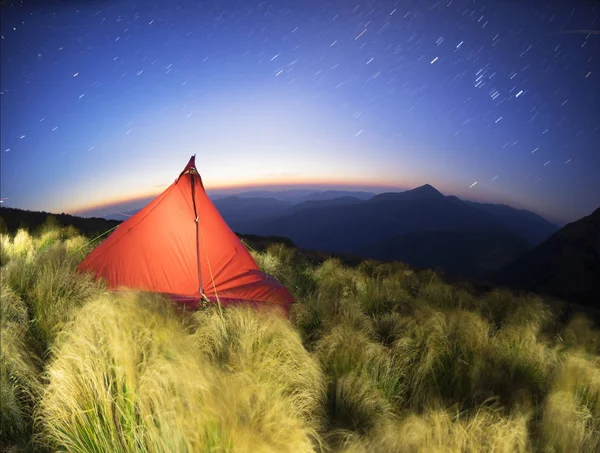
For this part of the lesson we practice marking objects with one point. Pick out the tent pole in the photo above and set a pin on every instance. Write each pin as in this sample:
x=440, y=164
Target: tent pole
x=202, y=297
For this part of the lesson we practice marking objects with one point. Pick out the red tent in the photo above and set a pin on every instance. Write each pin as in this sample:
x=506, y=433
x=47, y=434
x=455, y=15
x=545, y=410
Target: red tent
x=180, y=245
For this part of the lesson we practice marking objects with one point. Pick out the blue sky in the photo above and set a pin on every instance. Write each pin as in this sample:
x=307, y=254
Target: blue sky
x=106, y=100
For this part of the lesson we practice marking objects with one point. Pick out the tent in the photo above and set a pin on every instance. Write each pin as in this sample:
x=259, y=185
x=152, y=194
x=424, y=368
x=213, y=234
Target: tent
x=180, y=246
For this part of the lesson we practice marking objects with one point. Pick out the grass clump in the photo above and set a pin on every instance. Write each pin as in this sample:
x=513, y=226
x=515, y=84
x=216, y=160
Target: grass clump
x=440, y=431
x=363, y=383
x=571, y=412
x=443, y=353
x=262, y=348
x=580, y=333
x=521, y=365
x=125, y=377
x=5, y=249
x=22, y=245
x=20, y=384
x=57, y=291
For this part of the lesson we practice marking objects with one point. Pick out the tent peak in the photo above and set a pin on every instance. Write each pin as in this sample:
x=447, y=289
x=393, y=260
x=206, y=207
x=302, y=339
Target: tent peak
x=190, y=165
x=191, y=168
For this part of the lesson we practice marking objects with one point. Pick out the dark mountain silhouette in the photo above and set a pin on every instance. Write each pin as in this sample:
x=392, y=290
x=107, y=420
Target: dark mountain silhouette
x=289, y=195
x=295, y=195
x=11, y=219
x=342, y=201
x=245, y=215
x=566, y=266
x=405, y=225
x=337, y=194
x=122, y=215
x=468, y=253
x=531, y=227
x=421, y=193
x=349, y=228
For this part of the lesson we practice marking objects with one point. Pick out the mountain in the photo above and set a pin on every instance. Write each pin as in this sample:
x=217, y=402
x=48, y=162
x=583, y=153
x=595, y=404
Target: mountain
x=341, y=201
x=287, y=195
x=421, y=226
x=244, y=215
x=567, y=265
x=337, y=194
x=533, y=228
x=348, y=228
x=121, y=216
x=469, y=253
x=421, y=193
x=295, y=195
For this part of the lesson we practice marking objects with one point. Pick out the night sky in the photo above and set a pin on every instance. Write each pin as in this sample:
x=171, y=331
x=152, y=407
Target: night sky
x=106, y=100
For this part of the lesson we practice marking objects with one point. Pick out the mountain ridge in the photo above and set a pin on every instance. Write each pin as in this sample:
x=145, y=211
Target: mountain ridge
x=566, y=265
x=352, y=222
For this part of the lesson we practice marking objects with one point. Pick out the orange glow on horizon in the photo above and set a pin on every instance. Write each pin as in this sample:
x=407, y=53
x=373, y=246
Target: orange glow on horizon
x=284, y=184
x=247, y=185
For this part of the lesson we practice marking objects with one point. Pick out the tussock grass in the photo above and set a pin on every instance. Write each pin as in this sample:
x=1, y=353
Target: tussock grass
x=47, y=239
x=438, y=431
x=22, y=245
x=363, y=382
x=373, y=358
x=444, y=353
x=521, y=367
x=265, y=347
x=581, y=334
x=12, y=309
x=19, y=368
x=288, y=266
x=128, y=377
x=308, y=319
x=77, y=247
x=334, y=281
x=5, y=249
x=497, y=305
x=383, y=295
x=571, y=414
x=124, y=377
x=57, y=291
x=20, y=275
x=20, y=381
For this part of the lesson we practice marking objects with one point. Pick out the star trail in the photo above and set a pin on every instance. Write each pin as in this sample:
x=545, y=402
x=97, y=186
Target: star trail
x=499, y=101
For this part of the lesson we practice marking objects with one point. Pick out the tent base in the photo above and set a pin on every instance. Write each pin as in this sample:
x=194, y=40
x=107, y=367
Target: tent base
x=194, y=303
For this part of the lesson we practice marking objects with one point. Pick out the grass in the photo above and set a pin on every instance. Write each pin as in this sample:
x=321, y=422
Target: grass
x=438, y=431
x=571, y=413
x=20, y=369
x=374, y=358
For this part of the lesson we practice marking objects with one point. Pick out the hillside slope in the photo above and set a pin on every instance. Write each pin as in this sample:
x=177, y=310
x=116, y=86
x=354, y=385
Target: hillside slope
x=531, y=227
x=567, y=265
x=246, y=214
x=461, y=253
x=11, y=219
x=375, y=358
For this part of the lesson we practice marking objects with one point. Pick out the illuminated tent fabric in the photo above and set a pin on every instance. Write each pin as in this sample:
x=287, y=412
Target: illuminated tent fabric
x=180, y=245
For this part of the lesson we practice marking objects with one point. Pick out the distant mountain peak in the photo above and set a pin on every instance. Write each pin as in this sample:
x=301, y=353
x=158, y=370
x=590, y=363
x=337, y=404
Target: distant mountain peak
x=427, y=189
x=422, y=193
